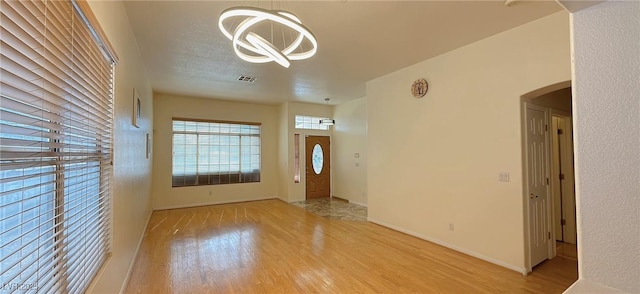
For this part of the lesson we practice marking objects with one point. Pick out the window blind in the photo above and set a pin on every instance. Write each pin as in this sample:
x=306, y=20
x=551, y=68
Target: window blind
x=215, y=152
x=56, y=113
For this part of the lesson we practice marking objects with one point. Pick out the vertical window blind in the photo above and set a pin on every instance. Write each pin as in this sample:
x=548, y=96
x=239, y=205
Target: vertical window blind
x=215, y=152
x=56, y=114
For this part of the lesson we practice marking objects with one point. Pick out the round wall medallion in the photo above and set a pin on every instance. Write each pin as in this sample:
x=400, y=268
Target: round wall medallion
x=419, y=88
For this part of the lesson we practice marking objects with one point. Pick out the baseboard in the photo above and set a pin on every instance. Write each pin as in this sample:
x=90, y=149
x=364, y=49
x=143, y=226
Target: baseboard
x=212, y=203
x=125, y=283
x=450, y=246
x=358, y=203
x=350, y=201
x=287, y=201
x=582, y=286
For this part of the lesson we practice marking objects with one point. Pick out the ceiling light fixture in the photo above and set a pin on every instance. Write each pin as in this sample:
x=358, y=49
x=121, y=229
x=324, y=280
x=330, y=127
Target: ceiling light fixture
x=327, y=121
x=250, y=25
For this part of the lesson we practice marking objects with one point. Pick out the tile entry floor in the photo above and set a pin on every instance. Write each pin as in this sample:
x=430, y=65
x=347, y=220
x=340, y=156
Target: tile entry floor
x=332, y=208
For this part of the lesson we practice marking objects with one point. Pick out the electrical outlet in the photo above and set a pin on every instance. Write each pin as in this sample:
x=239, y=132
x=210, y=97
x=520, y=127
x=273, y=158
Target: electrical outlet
x=450, y=226
x=503, y=177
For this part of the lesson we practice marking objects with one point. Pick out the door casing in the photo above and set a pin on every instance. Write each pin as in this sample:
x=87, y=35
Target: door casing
x=524, y=100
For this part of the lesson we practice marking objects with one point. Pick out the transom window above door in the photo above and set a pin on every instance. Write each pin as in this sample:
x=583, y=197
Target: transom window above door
x=310, y=123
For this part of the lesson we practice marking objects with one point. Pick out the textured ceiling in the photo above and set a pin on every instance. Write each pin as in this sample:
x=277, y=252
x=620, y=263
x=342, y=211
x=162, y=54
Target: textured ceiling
x=185, y=53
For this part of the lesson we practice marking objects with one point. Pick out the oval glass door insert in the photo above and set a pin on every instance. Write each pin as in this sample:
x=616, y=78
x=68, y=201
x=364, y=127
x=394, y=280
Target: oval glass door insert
x=317, y=159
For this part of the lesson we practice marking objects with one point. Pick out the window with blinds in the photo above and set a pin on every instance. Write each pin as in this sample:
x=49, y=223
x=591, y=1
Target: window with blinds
x=56, y=113
x=215, y=152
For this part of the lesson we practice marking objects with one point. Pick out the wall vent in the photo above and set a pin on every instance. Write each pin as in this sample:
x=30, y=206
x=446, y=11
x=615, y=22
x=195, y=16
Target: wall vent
x=249, y=79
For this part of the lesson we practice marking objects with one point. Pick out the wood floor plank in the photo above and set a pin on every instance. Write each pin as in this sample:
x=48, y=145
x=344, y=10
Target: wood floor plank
x=273, y=247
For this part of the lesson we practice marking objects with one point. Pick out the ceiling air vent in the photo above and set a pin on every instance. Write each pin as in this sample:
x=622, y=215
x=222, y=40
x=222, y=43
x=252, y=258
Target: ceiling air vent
x=248, y=79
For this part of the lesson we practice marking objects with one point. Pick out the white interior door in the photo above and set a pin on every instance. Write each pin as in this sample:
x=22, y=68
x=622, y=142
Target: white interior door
x=556, y=182
x=538, y=193
x=565, y=142
x=562, y=180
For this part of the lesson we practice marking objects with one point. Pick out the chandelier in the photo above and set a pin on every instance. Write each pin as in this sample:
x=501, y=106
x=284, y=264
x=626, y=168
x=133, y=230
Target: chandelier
x=261, y=35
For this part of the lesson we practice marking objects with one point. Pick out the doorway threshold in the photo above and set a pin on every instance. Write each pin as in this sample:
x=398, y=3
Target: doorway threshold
x=334, y=209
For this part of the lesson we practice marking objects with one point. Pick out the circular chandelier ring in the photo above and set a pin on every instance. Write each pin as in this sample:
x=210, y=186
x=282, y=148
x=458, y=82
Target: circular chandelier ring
x=237, y=42
x=260, y=46
x=256, y=15
x=268, y=49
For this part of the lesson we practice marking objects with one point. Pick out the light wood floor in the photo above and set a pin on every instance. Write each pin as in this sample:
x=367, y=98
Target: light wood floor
x=273, y=247
x=566, y=250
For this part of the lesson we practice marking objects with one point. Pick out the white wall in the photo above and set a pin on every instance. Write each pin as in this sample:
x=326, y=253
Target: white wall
x=606, y=85
x=168, y=106
x=435, y=161
x=132, y=171
x=284, y=164
x=350, y=137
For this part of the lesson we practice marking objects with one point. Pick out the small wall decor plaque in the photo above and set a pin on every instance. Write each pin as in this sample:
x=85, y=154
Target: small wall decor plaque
x=148, y=141
x=419, y=88
x=135, y=118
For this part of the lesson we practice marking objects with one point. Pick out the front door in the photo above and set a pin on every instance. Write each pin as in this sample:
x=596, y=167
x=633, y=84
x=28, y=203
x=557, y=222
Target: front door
x=318, y=167
x=537, y=176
